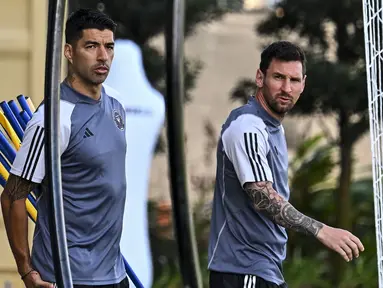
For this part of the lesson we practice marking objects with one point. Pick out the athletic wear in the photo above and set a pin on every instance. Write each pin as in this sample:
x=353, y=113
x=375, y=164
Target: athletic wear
x=229, y=280
x=93, y=149
x=252, y=148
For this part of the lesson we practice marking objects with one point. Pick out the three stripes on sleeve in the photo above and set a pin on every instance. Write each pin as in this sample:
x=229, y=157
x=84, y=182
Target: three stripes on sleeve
x=34, y=153
x=252, y=151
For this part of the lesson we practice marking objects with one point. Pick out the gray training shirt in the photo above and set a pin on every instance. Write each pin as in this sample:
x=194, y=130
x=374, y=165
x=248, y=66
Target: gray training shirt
x=93, y=148
x=252, y=148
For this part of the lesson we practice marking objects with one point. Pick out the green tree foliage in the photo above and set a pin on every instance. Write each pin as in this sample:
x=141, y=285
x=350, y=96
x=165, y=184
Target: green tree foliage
x=335, y=85
x=310, y=169
x=308, y=263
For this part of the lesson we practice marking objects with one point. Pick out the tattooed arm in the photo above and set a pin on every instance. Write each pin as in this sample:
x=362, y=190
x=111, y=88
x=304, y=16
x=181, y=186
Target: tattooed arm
x=268, y=201
x=16, y=219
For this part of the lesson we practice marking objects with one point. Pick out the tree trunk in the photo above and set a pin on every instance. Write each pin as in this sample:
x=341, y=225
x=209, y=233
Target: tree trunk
x=343, y=199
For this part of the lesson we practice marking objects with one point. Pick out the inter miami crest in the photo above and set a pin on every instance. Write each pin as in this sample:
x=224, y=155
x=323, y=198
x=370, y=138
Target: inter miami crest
x=118, y=120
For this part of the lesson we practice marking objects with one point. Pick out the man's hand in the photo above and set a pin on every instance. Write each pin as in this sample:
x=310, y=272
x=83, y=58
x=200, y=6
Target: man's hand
x=33, y=280
x=341, y=241
x=266, y=200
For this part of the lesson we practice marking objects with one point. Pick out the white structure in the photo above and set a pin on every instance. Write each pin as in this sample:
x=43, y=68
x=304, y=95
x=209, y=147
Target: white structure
x=145, y=113
x=373, y=23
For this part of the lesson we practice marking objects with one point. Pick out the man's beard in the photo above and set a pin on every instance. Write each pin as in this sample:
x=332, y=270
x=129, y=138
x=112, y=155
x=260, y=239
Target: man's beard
x=89, y=77
x=273, y=103
x=277, y=108
x=92, y=79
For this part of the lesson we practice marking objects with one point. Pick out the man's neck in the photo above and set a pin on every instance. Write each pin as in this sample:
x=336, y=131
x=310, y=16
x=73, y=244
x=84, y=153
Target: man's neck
x=261, y=99
x=92, y=91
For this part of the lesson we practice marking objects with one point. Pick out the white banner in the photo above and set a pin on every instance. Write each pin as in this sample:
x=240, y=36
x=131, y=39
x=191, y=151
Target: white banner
x=145, y=113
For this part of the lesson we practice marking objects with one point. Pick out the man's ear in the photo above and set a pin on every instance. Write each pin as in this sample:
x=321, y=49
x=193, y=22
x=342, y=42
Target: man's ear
x=68, y=52
x=259, y=78
x=303, y=83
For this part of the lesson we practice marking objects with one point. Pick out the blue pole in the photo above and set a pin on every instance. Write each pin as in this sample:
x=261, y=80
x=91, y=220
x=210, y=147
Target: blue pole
x=24, y=104
x=16, y=111
x=12, y=119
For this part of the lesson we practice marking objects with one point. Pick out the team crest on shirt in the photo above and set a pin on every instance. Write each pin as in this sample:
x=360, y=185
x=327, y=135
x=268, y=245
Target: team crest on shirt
x=118, y=120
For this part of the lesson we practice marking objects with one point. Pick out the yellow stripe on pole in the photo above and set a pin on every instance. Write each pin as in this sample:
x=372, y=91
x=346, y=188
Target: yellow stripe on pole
x=32, y=211
x=30, y=104
x=4, y=172
x=8, y=128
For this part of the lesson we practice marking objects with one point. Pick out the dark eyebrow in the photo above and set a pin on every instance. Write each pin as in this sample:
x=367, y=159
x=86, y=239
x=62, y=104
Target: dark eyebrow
x=296, y=79
x=95, y=43
x=279, y=74
x=91, y=43
x=284, y=77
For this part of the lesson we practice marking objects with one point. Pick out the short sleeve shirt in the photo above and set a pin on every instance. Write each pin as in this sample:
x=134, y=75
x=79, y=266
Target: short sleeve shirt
x=93, y=149
x=252, y=148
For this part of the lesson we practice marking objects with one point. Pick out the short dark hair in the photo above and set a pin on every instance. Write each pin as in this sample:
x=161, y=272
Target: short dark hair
x=86, y=19
x=283, y=51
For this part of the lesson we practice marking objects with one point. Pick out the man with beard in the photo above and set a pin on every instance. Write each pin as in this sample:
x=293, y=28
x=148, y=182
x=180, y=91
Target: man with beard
x=251, y=211
x=93, y=149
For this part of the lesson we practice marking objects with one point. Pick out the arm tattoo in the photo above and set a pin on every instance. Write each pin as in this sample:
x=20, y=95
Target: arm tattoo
x=18, y=188
x=268, y=201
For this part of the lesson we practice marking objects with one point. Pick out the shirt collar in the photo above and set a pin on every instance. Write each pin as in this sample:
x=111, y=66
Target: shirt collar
x=81, y=97
x=270, y=120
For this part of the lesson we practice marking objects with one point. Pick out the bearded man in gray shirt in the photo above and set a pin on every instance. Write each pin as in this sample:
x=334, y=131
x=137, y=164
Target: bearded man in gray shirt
x=250, y=208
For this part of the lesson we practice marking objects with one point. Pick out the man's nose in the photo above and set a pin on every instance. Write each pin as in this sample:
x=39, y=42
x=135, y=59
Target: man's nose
x=102, y=54
x=286, y=87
